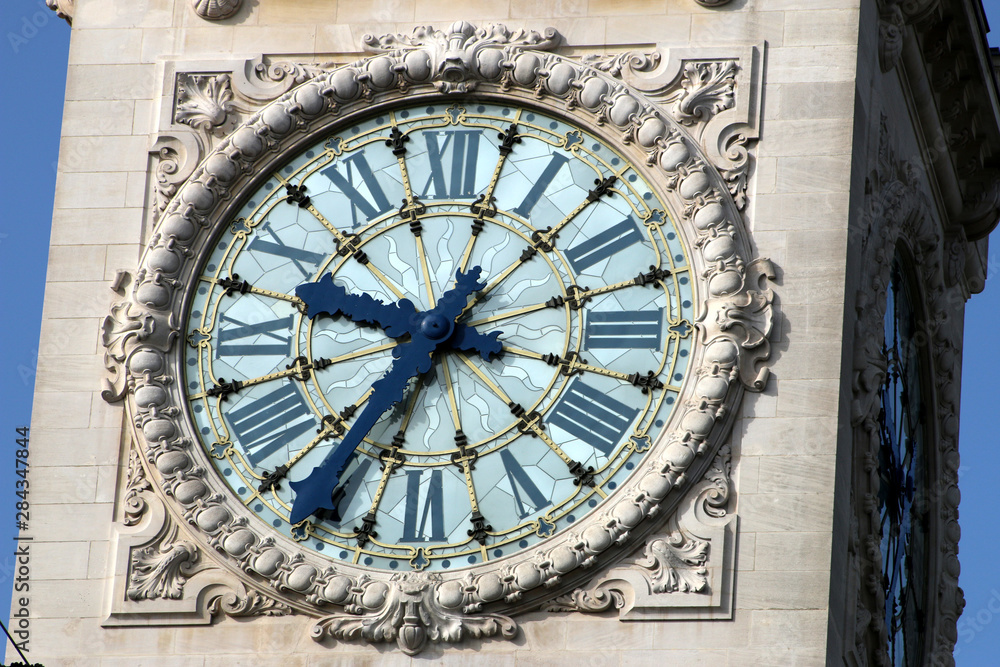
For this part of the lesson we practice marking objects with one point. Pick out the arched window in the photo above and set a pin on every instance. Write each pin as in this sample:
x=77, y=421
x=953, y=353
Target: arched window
x=902, y=473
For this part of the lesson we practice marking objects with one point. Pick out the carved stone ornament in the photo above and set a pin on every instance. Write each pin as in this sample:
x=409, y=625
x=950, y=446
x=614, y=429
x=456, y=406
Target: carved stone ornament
x=712, y=3
x=681, y=129
x=900, y=214
x=215, y=10
x=890, y=36
x=63, y=8
x=207, y=105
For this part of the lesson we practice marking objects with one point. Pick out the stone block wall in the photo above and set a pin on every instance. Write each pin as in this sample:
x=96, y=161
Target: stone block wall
x=784, y=440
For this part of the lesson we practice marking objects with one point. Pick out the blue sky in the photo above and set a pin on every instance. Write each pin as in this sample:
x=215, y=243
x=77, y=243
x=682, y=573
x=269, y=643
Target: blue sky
x=33, y=54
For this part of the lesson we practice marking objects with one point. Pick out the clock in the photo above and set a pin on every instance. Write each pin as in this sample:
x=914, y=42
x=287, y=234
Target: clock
x=439, y=335
x=442, y=336
x=902, y=465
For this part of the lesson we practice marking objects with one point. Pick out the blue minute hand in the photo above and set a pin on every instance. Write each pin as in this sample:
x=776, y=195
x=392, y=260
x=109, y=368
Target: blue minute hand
x=428, y=331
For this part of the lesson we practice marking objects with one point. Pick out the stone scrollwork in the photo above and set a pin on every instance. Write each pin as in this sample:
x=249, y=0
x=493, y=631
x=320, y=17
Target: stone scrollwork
x=160, y=570
x=673, y=508
x=684, y=559
x=135, y=484
x=416, y=610
x=204, y=101
x=708, y=88
x=250, y=604
x=747, y=313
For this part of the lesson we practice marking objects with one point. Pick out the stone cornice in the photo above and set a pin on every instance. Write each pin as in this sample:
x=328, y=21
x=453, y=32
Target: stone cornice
x=939, y=49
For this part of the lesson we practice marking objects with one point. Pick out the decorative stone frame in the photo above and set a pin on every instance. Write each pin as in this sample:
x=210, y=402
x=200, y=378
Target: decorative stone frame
x=187, y=549
x=899, y=213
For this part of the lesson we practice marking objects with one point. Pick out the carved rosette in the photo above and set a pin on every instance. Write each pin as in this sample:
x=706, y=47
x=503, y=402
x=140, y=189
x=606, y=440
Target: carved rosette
x=735, y=320
x=899, y=213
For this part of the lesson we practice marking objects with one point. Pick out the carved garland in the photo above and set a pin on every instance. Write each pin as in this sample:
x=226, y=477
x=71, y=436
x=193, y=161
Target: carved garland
x=735, y=319
x=899, y=213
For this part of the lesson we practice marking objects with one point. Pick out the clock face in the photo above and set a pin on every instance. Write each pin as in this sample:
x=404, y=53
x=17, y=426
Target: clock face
x=439, y=336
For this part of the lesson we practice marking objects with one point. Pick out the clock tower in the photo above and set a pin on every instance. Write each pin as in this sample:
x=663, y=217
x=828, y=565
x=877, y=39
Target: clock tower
x=549, y=332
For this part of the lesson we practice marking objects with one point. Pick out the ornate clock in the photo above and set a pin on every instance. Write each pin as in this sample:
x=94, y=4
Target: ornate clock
x=902, y=501
x=465, y=321
x=433, y=334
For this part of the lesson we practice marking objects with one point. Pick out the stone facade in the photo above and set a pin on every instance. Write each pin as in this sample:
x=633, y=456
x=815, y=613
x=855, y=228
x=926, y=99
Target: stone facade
x=863, y=124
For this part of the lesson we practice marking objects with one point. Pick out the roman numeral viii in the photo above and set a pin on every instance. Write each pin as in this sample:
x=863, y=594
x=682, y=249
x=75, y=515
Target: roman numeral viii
x=267, y=424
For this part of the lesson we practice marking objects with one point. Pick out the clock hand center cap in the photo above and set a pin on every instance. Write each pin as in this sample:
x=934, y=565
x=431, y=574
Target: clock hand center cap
x=435, y=326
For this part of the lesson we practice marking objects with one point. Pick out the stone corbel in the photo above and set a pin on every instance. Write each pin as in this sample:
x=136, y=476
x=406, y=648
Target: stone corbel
x=128, y=328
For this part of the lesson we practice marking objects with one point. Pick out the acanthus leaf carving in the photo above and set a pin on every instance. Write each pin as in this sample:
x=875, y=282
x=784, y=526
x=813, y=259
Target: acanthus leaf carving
x=135, y=484
x=160, y=570
x=411, y=613
x=452, y=54
x=251, y=604
x=674, y=561
x=708, y=89
x=204, y=101
x=615, y=63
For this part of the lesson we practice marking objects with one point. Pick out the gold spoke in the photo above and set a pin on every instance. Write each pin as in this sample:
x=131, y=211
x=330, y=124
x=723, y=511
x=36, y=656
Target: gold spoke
x=329, y=428
x=542, y=239
x=345, y=241
x=575, y=364
x=365, y=351
x=533, y=425
x=452, y=399
x=507, y=314
x=425, y=269
x=259, y=291
x=488, y=196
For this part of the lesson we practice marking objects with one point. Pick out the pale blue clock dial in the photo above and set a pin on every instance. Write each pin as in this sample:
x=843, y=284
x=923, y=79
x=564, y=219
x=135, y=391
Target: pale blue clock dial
x=587, y=288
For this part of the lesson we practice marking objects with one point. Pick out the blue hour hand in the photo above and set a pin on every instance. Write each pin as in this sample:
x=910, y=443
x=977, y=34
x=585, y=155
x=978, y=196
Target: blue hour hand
x=326, y=296
x=429, y=331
